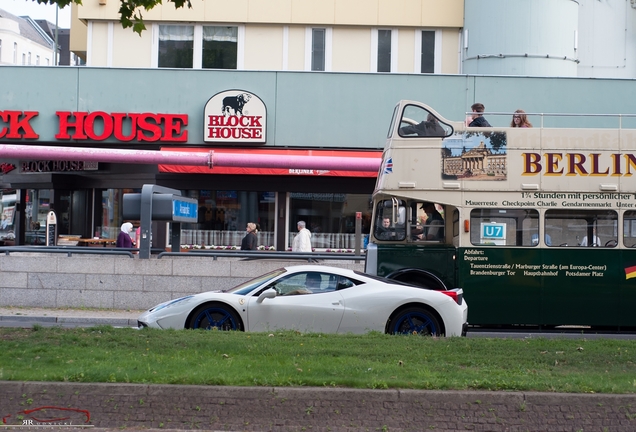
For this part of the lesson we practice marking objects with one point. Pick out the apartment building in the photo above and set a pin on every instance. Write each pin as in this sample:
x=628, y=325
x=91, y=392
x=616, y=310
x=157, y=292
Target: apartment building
x=406, y=36
x=23, y=42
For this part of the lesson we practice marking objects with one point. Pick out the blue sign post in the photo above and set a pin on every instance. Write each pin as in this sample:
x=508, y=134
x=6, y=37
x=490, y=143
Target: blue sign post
x=159, y=203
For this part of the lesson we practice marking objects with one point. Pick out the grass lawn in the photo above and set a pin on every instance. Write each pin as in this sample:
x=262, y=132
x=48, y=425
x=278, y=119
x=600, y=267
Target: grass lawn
x=124, y=355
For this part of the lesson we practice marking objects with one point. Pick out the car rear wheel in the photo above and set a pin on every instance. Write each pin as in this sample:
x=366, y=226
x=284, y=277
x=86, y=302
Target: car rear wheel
x=215, y=317
x=415, y=321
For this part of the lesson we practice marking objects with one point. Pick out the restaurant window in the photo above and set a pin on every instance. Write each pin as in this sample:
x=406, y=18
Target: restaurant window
x=37, y=207
x=224, y=214
x=220, y=47
x=330, y=217
x=176, y=45
x=8, y=198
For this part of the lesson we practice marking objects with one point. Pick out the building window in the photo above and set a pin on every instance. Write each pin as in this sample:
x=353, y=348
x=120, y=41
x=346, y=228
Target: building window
x=318, y=44
x=427, y=52
x=23, y=59
x=0, y=50
x=384, y=50
x=330, y=217
x=15, y=53
x=37, y=60
x=176, y=46
x=220, y=46
x=29, y=59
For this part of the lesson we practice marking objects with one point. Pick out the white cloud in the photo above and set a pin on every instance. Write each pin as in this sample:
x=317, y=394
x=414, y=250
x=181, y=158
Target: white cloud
x=38, y=11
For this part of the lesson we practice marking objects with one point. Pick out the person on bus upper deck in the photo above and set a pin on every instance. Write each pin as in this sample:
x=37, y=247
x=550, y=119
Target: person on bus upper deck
x=477, y=119
x=520, y=120
x=434, y=225
x=430, y=127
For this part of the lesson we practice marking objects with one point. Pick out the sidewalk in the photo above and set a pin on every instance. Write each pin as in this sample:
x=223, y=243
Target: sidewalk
x=66, y=316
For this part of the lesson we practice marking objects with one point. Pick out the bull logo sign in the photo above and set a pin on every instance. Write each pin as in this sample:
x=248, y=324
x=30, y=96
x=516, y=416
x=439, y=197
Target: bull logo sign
x=235, y=116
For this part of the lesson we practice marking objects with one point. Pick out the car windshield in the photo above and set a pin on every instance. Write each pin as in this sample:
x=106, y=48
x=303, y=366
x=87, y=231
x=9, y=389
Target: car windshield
x=247, y=287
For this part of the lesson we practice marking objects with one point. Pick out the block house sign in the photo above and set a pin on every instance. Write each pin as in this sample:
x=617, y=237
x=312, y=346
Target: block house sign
x=235, y=116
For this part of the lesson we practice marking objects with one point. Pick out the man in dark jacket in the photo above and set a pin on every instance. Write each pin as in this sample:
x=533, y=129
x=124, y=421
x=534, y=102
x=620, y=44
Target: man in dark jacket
x=477, y=119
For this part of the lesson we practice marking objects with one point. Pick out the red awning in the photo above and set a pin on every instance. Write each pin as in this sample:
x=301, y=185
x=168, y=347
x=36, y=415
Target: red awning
x=282, y=153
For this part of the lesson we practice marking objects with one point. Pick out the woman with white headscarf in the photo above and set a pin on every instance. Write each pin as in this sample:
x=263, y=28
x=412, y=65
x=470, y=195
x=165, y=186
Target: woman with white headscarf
x=124, y=240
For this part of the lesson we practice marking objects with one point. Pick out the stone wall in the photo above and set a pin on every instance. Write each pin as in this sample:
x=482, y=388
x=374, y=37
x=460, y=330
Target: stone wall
x=121, y=282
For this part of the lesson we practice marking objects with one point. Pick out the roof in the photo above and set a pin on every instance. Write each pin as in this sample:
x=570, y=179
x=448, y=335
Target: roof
x=29, y=29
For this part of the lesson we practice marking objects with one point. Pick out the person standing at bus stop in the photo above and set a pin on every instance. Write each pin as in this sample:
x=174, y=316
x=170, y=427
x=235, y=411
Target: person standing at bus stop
x=477, y=119
x=302, y=241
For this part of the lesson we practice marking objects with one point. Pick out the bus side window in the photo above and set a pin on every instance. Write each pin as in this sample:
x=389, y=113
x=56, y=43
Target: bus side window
x=504, y=227
x=629, y=229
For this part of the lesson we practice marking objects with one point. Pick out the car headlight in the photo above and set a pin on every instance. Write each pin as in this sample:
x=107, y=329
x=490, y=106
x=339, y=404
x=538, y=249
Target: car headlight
x=170, y=303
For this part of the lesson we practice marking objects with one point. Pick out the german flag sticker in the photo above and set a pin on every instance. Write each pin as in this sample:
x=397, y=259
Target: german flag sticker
x=630, y=270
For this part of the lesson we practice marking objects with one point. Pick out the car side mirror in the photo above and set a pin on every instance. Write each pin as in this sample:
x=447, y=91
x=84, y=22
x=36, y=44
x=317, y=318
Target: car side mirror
x=268, y=293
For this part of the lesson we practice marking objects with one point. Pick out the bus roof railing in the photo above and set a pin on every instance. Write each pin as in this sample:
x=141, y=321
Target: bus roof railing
x=577, y=120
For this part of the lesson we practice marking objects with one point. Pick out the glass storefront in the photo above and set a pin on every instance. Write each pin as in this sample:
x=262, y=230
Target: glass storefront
x=329, y=217
x=222, y=216
x=8, y=198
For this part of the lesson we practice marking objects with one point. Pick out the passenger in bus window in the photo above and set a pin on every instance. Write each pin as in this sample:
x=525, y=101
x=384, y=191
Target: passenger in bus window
x=520, y=120
x=434, y=225
x=384, y=232
x=535, y=239
x=429, y=127
x=595, y=240
x=477, y=119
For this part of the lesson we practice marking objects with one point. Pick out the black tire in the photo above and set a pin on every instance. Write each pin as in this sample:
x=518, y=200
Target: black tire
x=214, y=316
x=415, y=320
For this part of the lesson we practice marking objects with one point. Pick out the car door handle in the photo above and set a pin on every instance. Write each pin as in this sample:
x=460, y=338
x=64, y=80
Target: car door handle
x=335, y=303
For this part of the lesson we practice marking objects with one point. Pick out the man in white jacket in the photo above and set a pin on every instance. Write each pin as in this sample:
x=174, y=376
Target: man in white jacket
x=302, y=241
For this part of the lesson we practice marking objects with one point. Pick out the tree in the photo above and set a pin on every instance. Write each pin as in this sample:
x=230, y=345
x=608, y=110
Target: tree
x=130, y=10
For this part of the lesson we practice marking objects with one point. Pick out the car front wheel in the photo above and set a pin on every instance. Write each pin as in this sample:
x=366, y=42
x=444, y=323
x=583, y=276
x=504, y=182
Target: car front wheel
x=215, y=317
x=417, y=321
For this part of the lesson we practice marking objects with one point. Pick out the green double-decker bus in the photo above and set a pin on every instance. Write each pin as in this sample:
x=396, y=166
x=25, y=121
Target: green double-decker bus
x=536, y=224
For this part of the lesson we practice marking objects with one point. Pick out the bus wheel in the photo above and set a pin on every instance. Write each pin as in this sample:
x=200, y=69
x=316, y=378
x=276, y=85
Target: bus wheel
x=415, y=320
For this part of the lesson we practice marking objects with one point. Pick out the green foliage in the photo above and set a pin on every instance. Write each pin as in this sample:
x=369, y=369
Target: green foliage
x=106, y=354
x=129, y=10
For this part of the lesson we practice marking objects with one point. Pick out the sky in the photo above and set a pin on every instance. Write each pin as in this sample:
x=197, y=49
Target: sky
x=38, y=11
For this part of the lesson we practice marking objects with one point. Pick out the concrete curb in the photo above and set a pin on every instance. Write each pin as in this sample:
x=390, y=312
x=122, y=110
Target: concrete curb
x=89, y=321
x=286, y=409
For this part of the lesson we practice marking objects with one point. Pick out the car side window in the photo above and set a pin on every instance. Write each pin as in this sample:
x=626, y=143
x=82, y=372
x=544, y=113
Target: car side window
x=344, y=282
x=306, y=283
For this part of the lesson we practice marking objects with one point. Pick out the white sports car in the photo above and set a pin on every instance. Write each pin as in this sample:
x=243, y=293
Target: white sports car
x=320, y=299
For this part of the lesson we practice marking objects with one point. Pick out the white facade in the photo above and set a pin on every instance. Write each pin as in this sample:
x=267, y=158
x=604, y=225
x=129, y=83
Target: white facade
x=22, y=44
x=607, y=39
x=585, y=38
x=405, y=36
